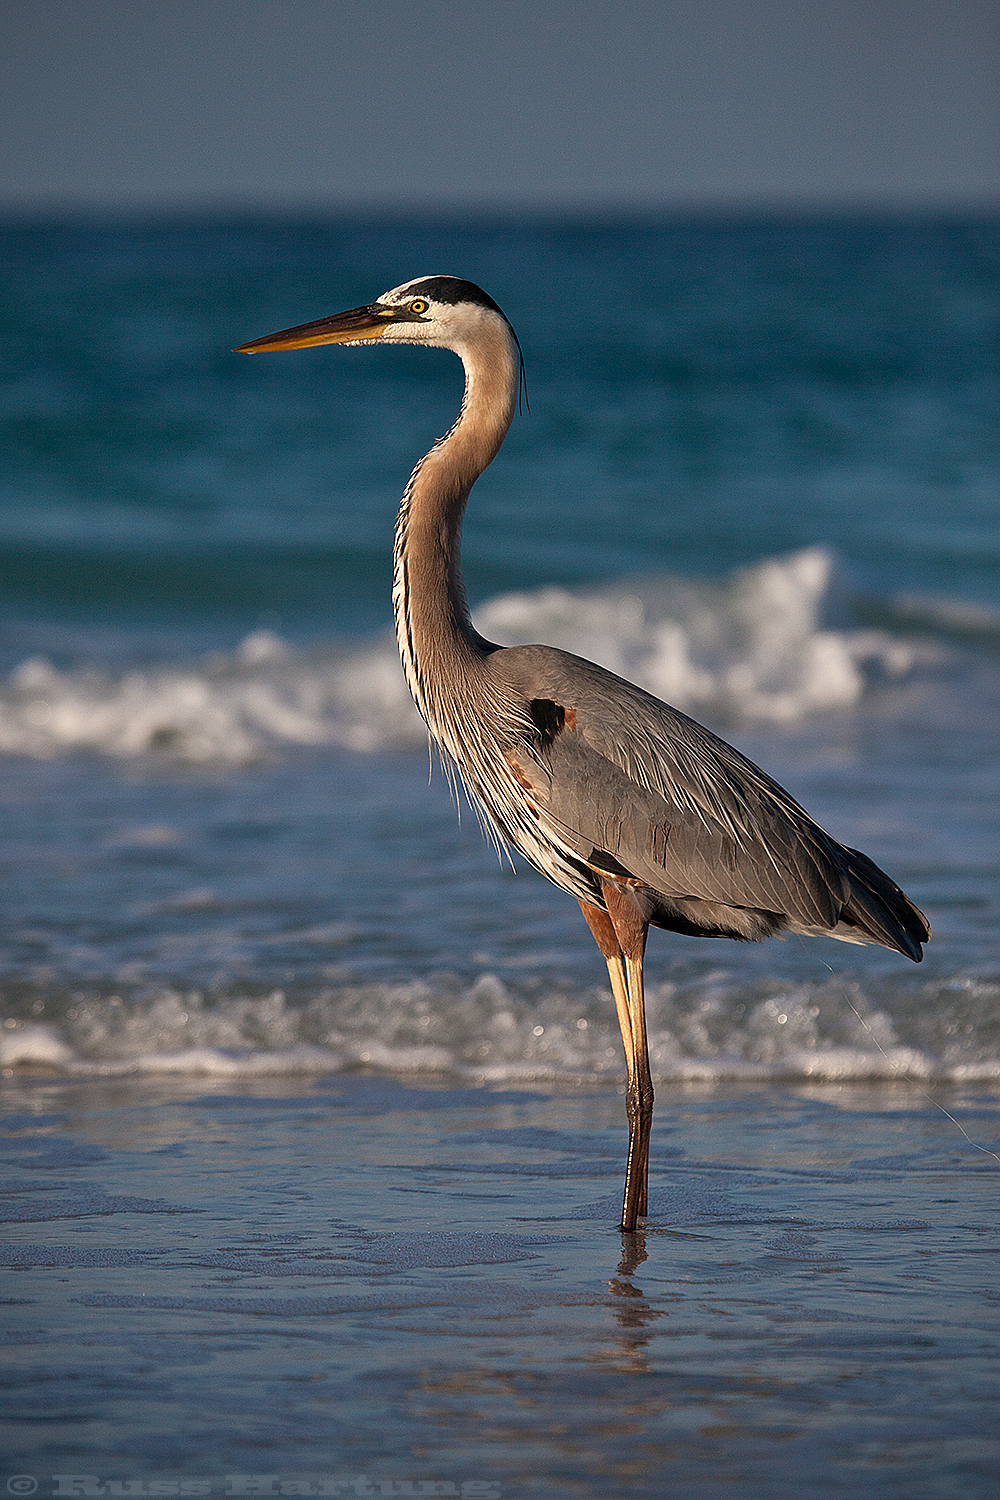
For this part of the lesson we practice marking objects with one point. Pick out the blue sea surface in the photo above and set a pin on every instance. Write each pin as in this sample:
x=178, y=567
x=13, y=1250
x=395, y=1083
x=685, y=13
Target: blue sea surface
x=759, y=475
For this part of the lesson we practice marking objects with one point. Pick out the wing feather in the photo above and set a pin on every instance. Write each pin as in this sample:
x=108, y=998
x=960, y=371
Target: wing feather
x=618, y=773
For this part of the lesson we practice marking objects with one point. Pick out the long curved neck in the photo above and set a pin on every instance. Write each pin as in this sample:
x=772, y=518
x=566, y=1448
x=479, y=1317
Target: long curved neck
x=438, y=644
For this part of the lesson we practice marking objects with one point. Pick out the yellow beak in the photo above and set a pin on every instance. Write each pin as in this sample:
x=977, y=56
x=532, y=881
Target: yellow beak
x=357, y=325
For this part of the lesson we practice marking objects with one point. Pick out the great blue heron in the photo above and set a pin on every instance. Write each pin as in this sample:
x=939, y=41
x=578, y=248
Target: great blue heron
x=630, y=806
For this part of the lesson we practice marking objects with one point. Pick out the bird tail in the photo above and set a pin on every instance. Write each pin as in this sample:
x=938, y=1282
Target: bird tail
x=879, y=909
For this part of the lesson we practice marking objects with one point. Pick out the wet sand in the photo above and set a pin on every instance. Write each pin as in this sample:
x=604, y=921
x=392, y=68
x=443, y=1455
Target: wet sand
x=365, y=1285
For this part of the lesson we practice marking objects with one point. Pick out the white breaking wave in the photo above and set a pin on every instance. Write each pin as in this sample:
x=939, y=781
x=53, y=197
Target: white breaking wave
x=753, y=647
x=711, y=1028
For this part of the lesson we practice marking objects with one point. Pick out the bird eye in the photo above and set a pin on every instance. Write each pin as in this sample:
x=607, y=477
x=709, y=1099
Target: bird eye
x=418, y=306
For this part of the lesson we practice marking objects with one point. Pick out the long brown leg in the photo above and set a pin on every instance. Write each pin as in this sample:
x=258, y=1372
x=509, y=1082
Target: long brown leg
x=620, y=934
x=603, y=929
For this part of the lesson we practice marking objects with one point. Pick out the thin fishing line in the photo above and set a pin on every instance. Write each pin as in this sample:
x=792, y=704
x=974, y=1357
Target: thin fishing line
x=929, y=1097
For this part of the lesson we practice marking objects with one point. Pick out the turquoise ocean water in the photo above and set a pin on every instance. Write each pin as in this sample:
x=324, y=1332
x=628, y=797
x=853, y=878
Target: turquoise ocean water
x=759, y=475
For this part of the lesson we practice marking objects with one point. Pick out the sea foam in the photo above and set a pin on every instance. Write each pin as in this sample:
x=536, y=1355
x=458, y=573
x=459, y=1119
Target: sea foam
x=709, y=1028
x=756, y=646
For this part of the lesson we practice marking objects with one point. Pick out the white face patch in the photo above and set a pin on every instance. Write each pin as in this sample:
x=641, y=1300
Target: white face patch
x=443, y=323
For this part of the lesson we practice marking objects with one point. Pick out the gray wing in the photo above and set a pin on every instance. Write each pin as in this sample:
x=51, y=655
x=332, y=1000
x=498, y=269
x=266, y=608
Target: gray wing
x=639, y=792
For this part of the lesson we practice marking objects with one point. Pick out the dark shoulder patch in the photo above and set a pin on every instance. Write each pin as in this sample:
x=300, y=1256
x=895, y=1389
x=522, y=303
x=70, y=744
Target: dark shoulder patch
x=548, y=718
x=452, y=289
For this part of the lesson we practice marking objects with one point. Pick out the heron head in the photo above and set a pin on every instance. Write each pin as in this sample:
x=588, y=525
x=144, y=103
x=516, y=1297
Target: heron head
x=442, y=311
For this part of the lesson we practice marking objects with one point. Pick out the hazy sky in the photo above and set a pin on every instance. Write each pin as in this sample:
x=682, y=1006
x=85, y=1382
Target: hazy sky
x=146, y=102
